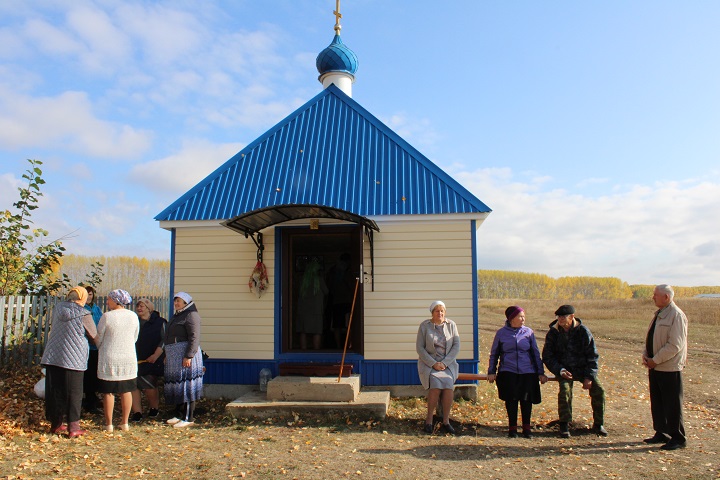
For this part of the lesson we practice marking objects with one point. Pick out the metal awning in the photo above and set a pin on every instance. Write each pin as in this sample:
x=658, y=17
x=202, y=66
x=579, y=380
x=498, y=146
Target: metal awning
x=251, y=223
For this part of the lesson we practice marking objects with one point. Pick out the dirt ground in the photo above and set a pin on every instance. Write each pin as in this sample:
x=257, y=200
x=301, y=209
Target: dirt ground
x=219, y=447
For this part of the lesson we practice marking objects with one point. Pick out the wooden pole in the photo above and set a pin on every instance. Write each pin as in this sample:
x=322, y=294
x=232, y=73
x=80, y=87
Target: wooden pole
x=347, y=334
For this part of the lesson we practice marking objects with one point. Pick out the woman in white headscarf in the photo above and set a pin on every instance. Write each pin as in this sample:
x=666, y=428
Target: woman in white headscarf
x=183, y=361
x=438, y=345
x=118, y=330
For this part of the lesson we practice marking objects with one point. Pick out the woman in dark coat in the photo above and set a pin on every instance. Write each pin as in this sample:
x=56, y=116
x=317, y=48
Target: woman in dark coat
x=183, y=361
x=151, y=358
x=90, y=381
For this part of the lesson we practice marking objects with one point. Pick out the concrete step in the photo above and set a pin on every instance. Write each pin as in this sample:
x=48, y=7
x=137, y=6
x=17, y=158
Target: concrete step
x=313, y=389
x=256, y=405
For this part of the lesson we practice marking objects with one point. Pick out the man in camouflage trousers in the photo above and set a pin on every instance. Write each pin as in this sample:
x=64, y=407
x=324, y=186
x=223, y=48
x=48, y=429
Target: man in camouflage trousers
x=570, y=354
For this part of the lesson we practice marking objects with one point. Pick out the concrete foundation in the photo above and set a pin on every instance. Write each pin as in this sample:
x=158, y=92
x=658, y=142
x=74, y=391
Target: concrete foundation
x=217, y=391
x=313, y=389
x=287, y=395
x=256, y=405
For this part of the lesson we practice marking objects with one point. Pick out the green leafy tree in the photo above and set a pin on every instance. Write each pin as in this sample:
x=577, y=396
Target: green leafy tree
x=95, y=276
x=27, y=260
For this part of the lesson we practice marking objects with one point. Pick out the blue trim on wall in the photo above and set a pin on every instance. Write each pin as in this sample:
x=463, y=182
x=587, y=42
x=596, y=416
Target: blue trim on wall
x=476, y=313
x=401, y=372
x=278, y=290
x=171, y=307
x=372, y=372
x=237, y=372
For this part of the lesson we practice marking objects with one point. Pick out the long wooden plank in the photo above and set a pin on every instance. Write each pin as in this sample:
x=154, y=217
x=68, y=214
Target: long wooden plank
x=483, y=376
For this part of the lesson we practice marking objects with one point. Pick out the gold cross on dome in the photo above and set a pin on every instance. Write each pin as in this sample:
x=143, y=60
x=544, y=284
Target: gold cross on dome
x=338, y=16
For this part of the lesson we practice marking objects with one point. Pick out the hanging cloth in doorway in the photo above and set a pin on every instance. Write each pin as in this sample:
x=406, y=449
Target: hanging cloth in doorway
x=259, y=279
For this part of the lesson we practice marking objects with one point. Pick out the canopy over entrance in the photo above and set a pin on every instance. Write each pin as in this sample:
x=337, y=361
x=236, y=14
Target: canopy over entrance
x=251, y=223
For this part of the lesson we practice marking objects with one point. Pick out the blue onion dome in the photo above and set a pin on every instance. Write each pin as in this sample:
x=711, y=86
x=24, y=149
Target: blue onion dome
x=336, y=57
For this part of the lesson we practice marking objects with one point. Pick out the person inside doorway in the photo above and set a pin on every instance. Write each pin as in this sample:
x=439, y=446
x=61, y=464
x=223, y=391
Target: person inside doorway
x=311, y=305
x=341, y=286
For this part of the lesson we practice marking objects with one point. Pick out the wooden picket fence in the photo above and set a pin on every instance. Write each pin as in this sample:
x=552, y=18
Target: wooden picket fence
x=25, y=323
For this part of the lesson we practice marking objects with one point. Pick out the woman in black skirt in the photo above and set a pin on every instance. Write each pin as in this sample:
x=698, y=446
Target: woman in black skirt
x=184, y=368
x=521, y=369
x=117, y=362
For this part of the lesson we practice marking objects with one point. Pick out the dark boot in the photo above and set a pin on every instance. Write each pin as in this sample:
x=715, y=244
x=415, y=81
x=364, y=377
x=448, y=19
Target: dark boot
x=75, y=430
x=564, y=430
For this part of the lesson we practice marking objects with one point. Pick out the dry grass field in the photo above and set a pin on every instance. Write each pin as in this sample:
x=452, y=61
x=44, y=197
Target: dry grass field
x=330, y=448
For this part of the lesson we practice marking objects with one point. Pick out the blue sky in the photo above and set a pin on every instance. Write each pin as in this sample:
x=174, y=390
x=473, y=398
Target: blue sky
x=592, y=129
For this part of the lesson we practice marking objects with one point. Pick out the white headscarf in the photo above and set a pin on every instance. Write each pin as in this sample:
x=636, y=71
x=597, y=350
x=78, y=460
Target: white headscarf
x=435, y=304
x=185, y=297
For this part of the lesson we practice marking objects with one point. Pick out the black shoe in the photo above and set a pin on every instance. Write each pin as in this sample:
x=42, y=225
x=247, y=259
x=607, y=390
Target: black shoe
x=153, y=413
x=673, y=445
x=599, y=430
x=449, y=428
x=564, y=430
x=527, y=433
x=428, y=428
x=512, y=434
x=136, y=417
x=658, y=438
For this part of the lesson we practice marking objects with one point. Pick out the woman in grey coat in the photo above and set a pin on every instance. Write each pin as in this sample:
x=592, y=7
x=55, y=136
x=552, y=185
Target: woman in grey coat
x=65, y=359
x=438, y=345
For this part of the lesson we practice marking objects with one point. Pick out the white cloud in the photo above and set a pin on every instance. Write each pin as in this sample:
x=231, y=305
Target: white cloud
x=643, y=234
x=11, y=45
x=166, y=36
x=179, y=172
x=8, y=190
x=106, y=47
x=419, y=132
x=68, y=121
x=51, y=40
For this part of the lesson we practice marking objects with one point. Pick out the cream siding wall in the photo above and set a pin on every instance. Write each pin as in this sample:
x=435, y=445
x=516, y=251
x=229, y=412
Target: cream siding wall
x=213, y=265
x=415, y=264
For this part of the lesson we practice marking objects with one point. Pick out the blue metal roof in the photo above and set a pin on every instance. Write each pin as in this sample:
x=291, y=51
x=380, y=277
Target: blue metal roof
x=332, y=152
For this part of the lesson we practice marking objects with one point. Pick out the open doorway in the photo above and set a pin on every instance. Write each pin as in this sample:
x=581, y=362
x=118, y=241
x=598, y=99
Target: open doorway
x=320, y=272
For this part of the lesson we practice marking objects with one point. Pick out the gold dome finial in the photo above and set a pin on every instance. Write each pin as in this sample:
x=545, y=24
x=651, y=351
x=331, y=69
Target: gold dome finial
x=338, y=16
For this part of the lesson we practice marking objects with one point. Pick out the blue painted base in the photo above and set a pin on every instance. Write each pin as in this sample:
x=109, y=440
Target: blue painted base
x=372, y=372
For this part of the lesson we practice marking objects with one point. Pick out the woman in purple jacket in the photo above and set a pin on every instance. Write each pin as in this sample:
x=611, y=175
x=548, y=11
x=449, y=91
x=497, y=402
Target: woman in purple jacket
x=520, y=369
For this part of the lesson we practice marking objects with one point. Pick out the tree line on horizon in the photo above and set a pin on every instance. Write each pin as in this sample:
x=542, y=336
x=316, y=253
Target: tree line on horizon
x=152, y=277
x=507, y=284
x=138, y=275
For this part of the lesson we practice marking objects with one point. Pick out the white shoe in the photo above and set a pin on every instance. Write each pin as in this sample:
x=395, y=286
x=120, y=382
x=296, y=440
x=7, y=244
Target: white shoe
x=183, y=424
x=108, y=428
x=125, y=427
x=173, y=421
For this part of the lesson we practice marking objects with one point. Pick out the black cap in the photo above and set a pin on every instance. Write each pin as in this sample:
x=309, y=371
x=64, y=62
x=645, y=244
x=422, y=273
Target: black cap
x=565, y=310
